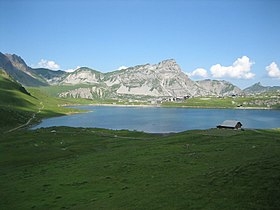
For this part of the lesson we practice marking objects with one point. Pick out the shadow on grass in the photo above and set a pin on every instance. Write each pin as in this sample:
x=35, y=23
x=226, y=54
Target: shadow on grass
x=10, y=98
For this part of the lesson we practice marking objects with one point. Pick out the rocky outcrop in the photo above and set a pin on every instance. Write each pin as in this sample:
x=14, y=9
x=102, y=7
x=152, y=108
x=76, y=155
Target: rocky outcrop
x=49, y=76
x=18, y=70
x=219, y=87
x=163, y=79
x=156, y=80
x=258, y=88
x=19, y=63
x=89, y=93
x=82, y=76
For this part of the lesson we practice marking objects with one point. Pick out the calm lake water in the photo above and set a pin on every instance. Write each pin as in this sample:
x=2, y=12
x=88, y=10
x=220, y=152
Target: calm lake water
x=163, y=120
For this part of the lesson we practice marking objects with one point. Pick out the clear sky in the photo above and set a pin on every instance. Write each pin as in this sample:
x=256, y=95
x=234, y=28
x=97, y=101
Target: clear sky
x=235, y=40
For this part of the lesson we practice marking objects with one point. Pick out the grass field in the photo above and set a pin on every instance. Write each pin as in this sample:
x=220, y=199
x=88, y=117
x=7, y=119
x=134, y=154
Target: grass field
x=75, y=168
x=226, y=102
x=18, y=104
x=78, y=168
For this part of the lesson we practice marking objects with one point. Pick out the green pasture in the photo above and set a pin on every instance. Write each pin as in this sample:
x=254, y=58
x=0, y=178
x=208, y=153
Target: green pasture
x=76, y=168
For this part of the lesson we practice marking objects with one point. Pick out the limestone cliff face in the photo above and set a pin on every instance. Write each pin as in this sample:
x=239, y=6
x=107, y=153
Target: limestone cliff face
x=219, y=87
x=82, y=76
x=163, y=79
x=89, y=93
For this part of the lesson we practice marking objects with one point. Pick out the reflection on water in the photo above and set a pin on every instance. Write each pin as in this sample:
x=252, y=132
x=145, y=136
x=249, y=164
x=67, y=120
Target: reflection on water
x=162, y=120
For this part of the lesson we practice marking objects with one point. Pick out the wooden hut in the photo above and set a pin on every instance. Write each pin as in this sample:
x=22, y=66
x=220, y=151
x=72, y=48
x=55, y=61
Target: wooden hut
x=230, y=124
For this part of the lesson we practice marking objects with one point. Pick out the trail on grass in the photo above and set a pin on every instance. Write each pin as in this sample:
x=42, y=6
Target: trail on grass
x=29, y=120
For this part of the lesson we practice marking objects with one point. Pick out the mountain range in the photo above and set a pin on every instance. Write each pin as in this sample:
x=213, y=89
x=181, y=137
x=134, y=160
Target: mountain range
x=165, y=79
x=258, y=88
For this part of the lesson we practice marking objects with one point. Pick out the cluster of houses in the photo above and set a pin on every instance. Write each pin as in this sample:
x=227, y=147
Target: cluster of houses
x=168, y=99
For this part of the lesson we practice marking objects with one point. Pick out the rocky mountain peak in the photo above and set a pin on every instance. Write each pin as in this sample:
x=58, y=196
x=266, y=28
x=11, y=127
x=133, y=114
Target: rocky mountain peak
x=18, y=62
x=258, y=84
x=14, y=58
x=164, y=79
x=168, y=62
x=82, y=75
x=258, y=88
x=168, y=65
x=15, y=66
x=83, y=69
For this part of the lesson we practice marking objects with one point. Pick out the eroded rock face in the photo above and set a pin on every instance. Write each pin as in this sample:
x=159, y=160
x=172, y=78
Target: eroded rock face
x=219, y=87
x=18, y=70
x=18, y=62
x=83, y=76
x=89, y=93
x=258, y=88
x=163, y=79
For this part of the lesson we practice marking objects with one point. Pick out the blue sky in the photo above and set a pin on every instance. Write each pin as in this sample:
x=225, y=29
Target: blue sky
x=235, y=40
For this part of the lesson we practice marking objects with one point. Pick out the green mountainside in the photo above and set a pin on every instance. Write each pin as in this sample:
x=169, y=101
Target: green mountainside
x=18, y=105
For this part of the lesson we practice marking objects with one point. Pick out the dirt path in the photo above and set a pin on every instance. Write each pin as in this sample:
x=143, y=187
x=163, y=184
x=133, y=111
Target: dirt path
x=29, y=120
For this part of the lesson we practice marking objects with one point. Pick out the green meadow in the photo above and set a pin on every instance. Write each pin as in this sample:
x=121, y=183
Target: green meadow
x=18, y=104
x=223, y=103
x=78, y=168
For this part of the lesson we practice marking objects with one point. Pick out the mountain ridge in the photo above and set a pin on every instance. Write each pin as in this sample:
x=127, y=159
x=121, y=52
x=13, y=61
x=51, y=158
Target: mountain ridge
x=164, y=79
x=258, y=88
x=18, y=70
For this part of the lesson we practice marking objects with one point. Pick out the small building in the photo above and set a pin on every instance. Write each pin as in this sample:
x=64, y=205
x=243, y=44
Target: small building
x=230, y=124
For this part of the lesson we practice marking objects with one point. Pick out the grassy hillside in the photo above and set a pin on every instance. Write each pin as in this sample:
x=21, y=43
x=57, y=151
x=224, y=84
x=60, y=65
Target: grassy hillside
x=260, y=101
x=72, y=168
x=77, y=168
x=17, y=105
x=56, y=89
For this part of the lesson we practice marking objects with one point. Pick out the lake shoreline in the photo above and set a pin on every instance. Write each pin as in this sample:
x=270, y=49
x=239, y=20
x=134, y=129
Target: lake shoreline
x=160, y=106
x=152, y=119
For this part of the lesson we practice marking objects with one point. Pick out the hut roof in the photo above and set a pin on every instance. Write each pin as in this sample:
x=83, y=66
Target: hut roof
x=230, y=123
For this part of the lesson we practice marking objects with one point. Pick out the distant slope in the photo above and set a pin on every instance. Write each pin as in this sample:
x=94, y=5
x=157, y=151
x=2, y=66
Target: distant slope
x=259, y=88
x=82, y=75
x=219, y=87
x=7, y=83
x=19, y=71
x=48, y=76
x=17, y=105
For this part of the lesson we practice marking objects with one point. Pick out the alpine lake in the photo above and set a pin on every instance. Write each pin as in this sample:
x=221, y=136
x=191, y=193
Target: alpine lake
x=162, y=120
